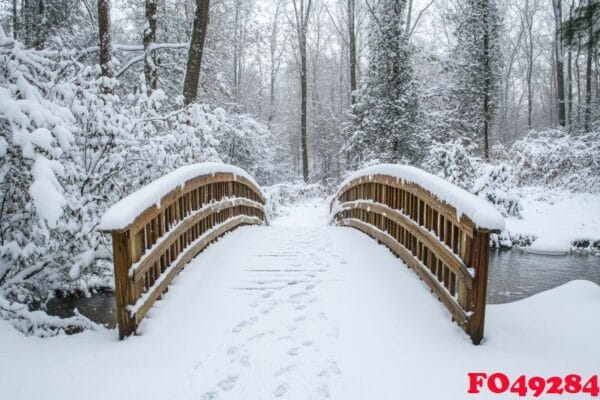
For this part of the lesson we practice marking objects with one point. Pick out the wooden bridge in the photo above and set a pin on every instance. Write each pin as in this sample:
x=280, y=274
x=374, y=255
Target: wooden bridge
x=435, y=228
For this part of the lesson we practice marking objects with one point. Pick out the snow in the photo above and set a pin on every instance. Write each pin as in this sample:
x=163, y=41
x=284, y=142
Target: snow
x=126, y=210
x=556, y=218
x=301, y=312
x=46, y=191
x=483, y=214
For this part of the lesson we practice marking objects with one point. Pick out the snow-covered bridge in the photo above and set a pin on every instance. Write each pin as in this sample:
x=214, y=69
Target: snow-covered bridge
x=437, y=229
x=301, y=308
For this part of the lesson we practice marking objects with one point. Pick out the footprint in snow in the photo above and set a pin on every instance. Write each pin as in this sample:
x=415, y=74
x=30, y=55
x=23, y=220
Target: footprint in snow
x=332, y=369
x=209, y=395
x=323, y=390
x=284, y=370
x=281, y=390
x=293, y=351
x=239, y=327
x=228, y=383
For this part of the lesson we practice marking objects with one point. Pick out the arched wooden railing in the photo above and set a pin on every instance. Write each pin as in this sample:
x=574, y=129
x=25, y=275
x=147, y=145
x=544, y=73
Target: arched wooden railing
x=157, y=230
x=415, y=214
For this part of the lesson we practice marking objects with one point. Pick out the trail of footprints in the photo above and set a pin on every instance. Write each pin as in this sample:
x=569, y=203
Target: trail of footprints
x=297, y=283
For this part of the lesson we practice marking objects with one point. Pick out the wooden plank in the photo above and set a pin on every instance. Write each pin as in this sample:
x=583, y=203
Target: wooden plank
x=443, y=207
x=152, y=211
x=173, y=236
x=480, y=263
x=123, y=289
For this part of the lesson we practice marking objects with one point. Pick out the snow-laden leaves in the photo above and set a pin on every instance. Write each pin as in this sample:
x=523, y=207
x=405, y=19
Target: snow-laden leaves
x=69, y=150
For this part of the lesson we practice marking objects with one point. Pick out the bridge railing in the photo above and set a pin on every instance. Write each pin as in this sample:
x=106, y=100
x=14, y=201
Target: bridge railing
x=437, y=229
x=157, y=230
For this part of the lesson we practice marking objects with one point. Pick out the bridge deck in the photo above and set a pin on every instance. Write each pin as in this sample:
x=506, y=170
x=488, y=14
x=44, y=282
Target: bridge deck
x=306, y=312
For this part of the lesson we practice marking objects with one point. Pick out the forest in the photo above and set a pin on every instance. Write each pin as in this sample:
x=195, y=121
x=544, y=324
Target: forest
x=99, y=98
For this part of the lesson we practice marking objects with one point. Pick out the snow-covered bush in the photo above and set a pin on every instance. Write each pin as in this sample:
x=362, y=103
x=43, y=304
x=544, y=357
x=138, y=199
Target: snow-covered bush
x=555, y=158
x=281, y=195
x=68, y=150
x=453, y=162
x=245, y=143
x=495, y=184
x=36, y=133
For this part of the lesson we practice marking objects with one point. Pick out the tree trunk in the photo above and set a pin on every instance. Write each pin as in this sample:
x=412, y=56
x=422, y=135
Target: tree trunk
x=236, y=51
x=150, y=64
x=302, y=14
x=105, y=40
x=274, y=60
x=560, y=74
x=303, y=94
x=578, y=81
x=15, y=20
x=352, y=48
x=588, y=73
x=409, y=8
x=570, y=77
x=194, y=62
x=530, y=74
x=486, y=93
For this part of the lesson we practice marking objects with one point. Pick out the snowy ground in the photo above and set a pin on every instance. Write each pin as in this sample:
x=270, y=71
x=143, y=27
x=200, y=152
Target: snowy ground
x=301, y=310
x=556, y=218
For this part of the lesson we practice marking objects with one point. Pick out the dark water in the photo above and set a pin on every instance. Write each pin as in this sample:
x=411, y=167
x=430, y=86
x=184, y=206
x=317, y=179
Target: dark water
x=513, y=275
x=99, y=307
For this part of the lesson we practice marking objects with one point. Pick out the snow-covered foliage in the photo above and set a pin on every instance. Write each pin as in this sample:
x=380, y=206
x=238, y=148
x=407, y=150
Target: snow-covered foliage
x=492, y=182
x=69, y=150
x=474, y=69
x=282, y=195
x=242, y=143
x=384, y=117
x=554, y=158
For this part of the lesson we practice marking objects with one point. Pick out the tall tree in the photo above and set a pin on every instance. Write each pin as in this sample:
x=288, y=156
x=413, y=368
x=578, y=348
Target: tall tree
x=41, y=19
x=105, y=40
x=149, y=39
x=301, y=19
x=475, y=71
x=352, y=48
x=15, y=20
x=584, y=25
x=275, y=54
x=559, y=55
x=194, y=62
x=386, y=108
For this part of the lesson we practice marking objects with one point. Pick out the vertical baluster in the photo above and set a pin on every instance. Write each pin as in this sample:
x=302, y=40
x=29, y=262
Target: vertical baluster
x=479, y=259
x=123, y=284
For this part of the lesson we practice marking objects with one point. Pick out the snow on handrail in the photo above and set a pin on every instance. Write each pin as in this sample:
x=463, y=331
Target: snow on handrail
x=125, y=211
x=482, y=213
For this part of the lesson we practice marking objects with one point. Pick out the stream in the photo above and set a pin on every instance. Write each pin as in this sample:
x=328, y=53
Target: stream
x=513, y=275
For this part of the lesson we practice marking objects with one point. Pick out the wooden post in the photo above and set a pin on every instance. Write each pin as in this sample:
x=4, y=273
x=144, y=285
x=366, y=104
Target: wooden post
x=479, y=259
x=123, y=289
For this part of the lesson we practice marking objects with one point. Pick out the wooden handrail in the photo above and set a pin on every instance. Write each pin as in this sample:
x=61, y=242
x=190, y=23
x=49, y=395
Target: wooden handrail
x=154, y=245
x=447, y=250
